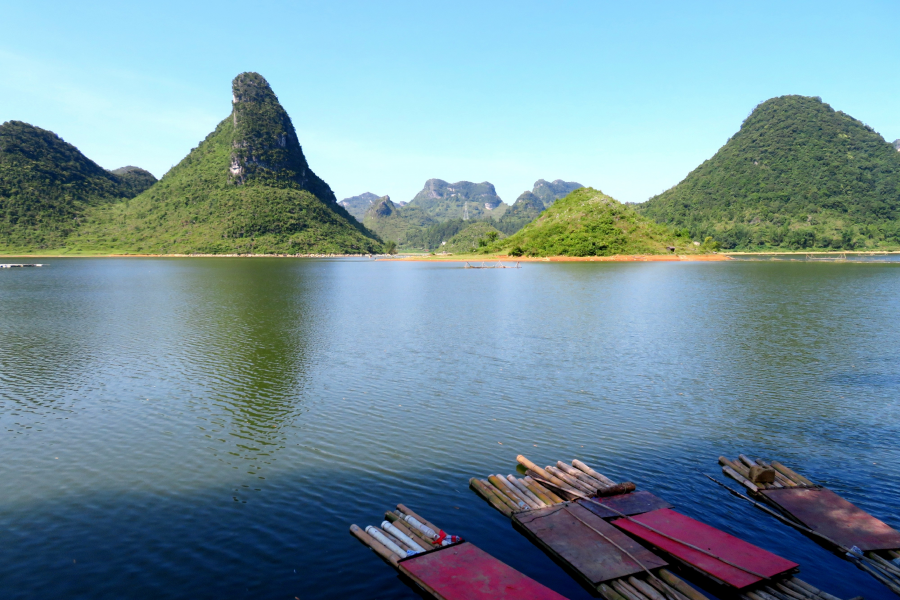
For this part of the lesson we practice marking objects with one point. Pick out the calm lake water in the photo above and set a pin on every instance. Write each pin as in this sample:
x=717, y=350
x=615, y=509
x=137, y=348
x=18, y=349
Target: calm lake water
x=209, y=428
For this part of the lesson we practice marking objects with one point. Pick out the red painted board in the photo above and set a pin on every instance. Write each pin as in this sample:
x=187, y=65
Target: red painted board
x=633, y=503
x=590, y=554
x=710, y=539
x=825, y=512
x=465, y=572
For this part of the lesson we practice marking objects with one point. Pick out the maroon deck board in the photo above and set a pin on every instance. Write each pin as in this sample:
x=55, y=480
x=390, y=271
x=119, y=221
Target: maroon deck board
x=465, y=572
x=633, y=503
x=710, y=539
x=826, y=513
x=585, y=551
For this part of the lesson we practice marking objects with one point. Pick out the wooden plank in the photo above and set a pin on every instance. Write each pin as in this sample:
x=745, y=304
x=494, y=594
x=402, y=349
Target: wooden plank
x=710, y=539
x=634, y=503
x=826, y=513
x=591, y=555
x=463, y=571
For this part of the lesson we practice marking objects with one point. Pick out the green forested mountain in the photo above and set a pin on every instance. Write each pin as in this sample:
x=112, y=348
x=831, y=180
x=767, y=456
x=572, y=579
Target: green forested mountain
x=473, y=237
x=246, y=188
x=897, y=145
x=797, y=175
x=47, y=184
x=391, y=222
x=524, y=210
x=550, y=191
x=358, y=205
x=587, y=222
x=443, y=201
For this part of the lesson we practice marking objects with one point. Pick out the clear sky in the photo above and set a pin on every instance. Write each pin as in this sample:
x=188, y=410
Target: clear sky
x=626, y=97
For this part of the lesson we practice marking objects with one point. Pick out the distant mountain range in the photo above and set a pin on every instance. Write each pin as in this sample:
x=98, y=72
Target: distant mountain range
x=47, y=186
x=798, y=175
x=358, y=205
x=461, y=200
x=550, y=191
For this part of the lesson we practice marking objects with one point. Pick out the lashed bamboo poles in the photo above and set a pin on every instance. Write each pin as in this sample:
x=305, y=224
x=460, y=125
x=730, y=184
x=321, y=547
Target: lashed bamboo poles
x=887, y=572
x=403, y=533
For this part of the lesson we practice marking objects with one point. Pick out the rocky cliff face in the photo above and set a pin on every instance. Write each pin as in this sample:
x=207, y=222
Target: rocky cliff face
x=897, y=145
x=442, y=200
x=265, y=147
x=551, y=191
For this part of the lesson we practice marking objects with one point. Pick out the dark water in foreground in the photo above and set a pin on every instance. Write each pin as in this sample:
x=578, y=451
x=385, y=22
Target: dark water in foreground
x=209, y=428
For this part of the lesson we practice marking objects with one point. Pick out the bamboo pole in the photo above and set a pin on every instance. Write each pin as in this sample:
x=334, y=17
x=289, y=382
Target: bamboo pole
x=609, y=593
x=529, y=483
x=492, y=498
x=376, y=546
x=518, y=483
x=410, y=532
x=740, y=478
x=541, y=472
x=403, y=536
x=791, y=474
x=645, y=588
x=666, y=589
x=779, y=477
x=681, y=586
x=626, y=590
x=574, y=483
x=885, y=565
x=544, y=490
x=580, y=475
x=405, y=510
x=793, y=582
x=793, y=593
x=598, y=476
x=385, y=540
x=522, y=496
x=503, y=487
x=391, y=535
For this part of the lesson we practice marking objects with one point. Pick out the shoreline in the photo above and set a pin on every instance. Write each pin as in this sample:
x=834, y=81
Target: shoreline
x=614, y=258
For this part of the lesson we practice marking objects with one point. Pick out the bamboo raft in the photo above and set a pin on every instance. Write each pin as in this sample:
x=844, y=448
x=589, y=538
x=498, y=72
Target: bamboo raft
x=835, y=523
x=445, y=566
x=579, y=517
x=499, y=265
x=17, y=266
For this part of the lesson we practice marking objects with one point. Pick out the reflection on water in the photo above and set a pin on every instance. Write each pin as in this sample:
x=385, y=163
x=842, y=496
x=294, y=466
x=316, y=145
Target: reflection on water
x=210, y=428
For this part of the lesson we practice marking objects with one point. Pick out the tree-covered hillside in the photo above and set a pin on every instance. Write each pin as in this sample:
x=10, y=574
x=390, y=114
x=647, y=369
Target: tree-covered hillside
x=358, y=205
x=587, y=222
x=797, y=175
x=47, y=184
x=247, y=188
x=524, y=210
x=550, y=191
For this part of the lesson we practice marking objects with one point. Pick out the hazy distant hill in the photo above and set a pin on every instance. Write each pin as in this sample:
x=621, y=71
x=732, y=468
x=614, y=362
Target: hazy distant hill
x=550, y=191
x=246, y=188
x=897, y=145
x=391, y=222
x=47, y=184
x=358, y=205
x=442, y=201
x=524, y=210
x=587, y=222
x=798, y=174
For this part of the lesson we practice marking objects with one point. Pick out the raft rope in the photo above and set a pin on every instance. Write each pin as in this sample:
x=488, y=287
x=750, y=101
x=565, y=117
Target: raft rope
x=658, y=532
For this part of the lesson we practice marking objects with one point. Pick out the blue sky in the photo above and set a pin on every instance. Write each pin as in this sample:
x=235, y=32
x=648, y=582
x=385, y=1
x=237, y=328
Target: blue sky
x=625, y=97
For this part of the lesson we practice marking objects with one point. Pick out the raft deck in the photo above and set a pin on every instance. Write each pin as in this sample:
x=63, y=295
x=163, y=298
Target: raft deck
x=871, y=544
x=586, y=533
x=446, y=567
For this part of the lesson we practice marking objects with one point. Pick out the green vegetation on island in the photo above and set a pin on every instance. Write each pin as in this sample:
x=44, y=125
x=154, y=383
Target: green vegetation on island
x=587, y=222
x=798, y=175
x=247, y=188
x=47, y=185
x=474, y=237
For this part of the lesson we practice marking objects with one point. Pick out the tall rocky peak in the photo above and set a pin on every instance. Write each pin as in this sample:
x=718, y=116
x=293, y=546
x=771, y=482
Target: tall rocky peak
x=466, y=191
x=358, y=205
x=551, y=191
x=382, y=207
x=265, y=147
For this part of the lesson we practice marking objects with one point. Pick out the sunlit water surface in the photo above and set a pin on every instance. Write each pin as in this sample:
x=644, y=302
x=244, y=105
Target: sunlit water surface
x=209, y=428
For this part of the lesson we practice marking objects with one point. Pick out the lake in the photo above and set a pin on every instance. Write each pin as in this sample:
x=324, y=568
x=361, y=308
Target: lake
x=210, y=428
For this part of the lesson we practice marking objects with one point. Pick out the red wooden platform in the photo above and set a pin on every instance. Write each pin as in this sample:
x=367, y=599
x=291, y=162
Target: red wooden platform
x=710, y=539
x=464, y=572
x=633, y=503
x=825, y=512
x=591, y=555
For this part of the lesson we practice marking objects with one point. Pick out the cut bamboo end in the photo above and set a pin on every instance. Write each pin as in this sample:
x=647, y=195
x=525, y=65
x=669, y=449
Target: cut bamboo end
x=680, y=585
x=376, y=546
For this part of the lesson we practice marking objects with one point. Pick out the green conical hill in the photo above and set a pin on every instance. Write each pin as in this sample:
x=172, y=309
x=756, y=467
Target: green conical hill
x=798, y=174
x=474, y=236
x=47, y=184
x=247, y=188
x=587, y=222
